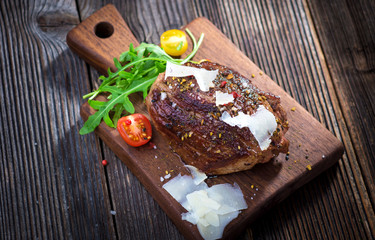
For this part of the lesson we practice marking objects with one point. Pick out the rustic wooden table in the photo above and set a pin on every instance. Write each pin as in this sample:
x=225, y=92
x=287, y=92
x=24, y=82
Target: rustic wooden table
x=52, y=182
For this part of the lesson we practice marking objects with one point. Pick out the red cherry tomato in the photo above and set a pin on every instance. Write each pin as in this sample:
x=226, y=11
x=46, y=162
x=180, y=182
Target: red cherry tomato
x=135, y=129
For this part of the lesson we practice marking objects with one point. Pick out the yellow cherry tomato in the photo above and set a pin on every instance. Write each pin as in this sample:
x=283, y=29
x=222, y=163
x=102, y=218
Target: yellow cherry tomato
x=174, y=42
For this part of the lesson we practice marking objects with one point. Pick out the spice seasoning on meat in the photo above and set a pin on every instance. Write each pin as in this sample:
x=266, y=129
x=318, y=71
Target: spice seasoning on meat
x=211, y=133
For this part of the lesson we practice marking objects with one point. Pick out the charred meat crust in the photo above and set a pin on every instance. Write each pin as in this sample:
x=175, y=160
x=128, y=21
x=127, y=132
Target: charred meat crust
x=190, y=120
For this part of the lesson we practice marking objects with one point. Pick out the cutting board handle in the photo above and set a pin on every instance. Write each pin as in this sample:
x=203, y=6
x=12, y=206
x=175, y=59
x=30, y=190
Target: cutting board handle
x=101, y=37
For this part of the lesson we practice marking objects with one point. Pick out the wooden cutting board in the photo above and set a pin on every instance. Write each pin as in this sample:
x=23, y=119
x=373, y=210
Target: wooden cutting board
x=105, y=35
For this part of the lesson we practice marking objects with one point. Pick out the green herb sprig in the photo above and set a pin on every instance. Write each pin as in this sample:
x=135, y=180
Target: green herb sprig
x=137, y=70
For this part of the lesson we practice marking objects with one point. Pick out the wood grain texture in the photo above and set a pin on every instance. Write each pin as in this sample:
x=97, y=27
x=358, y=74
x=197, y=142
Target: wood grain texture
x=354, y=80
x=52, y=184
x=103, y=34
x=58, y=188
x=275, y=181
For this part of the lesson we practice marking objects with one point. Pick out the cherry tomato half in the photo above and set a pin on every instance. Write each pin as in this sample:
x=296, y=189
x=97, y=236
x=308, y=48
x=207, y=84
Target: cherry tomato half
x=135, y=129
x=174, y=42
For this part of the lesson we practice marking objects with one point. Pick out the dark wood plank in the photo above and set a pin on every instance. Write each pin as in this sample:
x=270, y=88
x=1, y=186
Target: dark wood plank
x=350, y=54
x=52, y=182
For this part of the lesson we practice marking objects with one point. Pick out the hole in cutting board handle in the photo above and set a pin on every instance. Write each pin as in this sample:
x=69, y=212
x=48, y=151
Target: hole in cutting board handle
x=104, y=30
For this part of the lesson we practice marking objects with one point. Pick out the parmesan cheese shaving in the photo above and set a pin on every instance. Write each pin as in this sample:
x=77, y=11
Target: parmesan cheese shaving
x=204, y=77
x=262, y=124
x=210, y=208
x=197, y=175
x=223, y=98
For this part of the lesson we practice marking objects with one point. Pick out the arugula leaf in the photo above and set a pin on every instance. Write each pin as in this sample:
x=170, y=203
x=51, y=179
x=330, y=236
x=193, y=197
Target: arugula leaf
x=137, y=70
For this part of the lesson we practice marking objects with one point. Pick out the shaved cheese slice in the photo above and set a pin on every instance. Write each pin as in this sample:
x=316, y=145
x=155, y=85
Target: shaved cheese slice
x=233, y=200
x=190, y=217
x=201, y=211
x=211, y=232
x=198, y=176
x=210, y=208
x=262, y=124
x=225, y=209
x=203, y=222
x=223, y=98
x=180, y=186
x=212, y=219
x=204, y=77
x=199, y=199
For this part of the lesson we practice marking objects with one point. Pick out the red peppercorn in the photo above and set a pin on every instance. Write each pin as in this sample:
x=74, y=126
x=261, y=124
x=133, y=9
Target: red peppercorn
x=223, y=83
x=104, y=162
x=151, y=145
x=235, y=95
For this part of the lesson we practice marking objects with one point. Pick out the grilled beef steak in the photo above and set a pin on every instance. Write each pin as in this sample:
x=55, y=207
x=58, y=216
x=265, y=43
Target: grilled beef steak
x=220, y=126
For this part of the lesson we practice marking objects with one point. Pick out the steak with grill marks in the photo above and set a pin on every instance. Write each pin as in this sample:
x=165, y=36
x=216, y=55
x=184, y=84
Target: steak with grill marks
x=193, y=122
